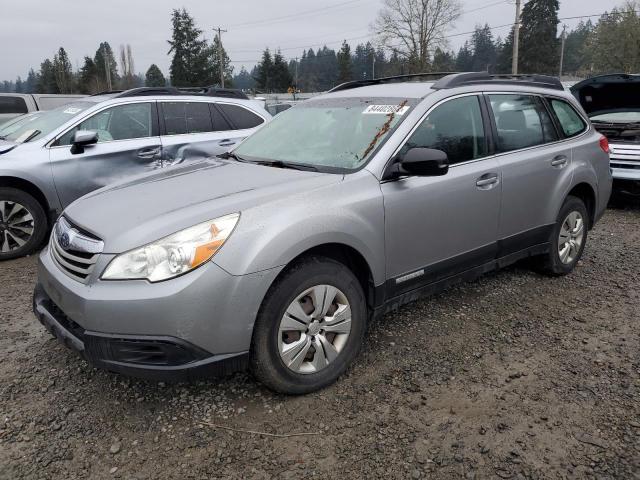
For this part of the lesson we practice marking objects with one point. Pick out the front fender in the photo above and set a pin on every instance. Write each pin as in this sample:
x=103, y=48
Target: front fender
x=350, y=212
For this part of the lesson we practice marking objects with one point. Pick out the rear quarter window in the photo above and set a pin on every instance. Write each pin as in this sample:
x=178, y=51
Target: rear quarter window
x=240, y=117
x=13, y=105
x=570, y=121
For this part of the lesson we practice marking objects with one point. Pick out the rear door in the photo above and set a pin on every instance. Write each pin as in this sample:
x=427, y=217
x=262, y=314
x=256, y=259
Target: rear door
x=534, y=164
x=128, y=144
x=193, y=129
x=436, y=227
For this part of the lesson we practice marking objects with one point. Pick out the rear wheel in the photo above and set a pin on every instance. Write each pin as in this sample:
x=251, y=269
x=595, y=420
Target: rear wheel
x=310, y=327
x=568, y=238
x=23, y=223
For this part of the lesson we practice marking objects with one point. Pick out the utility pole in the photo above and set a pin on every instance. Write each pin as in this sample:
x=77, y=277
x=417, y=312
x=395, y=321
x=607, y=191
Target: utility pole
x=373, y=67
x=296, y=82
x=516, y=40
x=564, y=38
x=220, y=32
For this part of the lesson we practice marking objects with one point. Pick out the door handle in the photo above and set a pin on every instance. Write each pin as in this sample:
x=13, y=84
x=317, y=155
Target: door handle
x=487, y=180
x=149, y=152
x=226, y=142
x=559, y=161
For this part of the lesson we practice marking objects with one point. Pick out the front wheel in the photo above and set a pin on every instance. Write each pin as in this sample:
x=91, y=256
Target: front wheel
x=310, y=327
x=568, y=238
x=23, y=223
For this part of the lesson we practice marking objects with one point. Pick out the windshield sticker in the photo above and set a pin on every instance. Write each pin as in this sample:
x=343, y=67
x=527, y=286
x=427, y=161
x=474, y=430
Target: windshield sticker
x=386, y=109
x=72, y=110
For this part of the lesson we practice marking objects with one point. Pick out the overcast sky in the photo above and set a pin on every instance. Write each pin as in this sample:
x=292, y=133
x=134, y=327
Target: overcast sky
x=31, y=30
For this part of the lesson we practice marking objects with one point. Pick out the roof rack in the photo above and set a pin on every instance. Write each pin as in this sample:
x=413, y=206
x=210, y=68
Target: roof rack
x=204, y=91
x=106, y=92
x=433, y=76
x=476, y=78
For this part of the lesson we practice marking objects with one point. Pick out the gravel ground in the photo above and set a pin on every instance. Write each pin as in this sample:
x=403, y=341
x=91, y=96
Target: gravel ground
x=513, y=376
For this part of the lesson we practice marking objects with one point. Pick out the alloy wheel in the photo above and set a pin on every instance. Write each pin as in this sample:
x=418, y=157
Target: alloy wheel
x=16, y=226
x=314, y=329
x=571, y=237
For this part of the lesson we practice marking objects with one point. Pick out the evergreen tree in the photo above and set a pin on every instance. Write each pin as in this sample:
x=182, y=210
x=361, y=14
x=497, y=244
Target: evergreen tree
x=88, y=79
x=443, y=61
x=539, y=44
x=579, y=48
x=216, y=49
x=345, y=73
x=464, y=60
x=106, y=68
x=62, y=71
x=263, y=79
x=244, y=80
x=47, y=83
x=31, y=84
x=191, y=63
x=280, y=77
x=154, y=77
x=505, y=55
x=19, y=85
x=484, y=50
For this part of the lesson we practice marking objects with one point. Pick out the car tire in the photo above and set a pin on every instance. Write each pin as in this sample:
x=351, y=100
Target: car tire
x=301, y=345
x=568, y=239
x=23, y=223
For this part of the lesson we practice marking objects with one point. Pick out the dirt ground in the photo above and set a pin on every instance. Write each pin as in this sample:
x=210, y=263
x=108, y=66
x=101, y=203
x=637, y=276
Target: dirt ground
x=513, y=376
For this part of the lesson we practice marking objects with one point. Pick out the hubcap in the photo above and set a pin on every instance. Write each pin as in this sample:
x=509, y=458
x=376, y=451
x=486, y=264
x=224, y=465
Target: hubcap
x=314, y=329
x=16, y=226
x=571, y=237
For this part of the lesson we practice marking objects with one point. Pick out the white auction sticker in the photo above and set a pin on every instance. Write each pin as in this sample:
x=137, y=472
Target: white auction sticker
x=72, y=110
x=386, y=109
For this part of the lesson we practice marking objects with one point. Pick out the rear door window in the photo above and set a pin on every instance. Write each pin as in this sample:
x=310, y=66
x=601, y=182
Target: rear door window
x=186, y=117
x=12, y=105
x=455, y=127
x=522, y=121
x=240, y=117
x=220, y=124
x=571, y=123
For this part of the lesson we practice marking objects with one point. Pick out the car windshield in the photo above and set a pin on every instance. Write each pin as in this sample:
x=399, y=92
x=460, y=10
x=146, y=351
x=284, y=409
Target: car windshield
x=37, y=126
x=16, y=123
x=338, y=134
x=617, y=117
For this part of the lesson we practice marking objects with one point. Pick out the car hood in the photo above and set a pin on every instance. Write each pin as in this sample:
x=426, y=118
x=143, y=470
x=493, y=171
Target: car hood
x=149, y=207
x=6, y=146
x=608, y=93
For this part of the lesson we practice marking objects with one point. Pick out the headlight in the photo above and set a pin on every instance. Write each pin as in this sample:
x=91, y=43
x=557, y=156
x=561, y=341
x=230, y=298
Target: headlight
x=173, y=255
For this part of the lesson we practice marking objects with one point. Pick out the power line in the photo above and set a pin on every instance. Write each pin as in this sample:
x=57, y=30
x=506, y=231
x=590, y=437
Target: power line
x=266, y=21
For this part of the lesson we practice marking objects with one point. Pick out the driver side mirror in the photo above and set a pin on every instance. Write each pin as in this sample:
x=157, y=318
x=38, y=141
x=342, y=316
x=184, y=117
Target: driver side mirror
x=423, y=162
x=82, y=139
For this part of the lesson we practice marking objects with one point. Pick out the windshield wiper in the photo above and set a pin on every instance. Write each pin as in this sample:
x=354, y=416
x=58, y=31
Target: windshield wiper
x=227, y=155
x=281, y=164
x=33, y=135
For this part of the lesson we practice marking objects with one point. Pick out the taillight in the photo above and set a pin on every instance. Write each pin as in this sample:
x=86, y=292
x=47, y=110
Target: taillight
x=604, y=144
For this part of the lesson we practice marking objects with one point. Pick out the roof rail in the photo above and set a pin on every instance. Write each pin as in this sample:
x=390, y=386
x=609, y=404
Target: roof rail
x=203, y=91
x=476, y=78
x=433, y=76
x=106, y=92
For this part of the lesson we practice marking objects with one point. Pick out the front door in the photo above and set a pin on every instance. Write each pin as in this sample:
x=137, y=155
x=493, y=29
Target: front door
x=128, y=144
x=436, y=227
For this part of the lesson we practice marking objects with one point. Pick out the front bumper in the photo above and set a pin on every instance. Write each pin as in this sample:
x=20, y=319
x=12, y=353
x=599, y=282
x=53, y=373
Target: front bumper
x=149, y=357
x=198, y=324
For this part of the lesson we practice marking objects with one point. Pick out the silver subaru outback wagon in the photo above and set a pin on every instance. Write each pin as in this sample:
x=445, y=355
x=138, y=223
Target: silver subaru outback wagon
x=49, y=159
x=277, y=254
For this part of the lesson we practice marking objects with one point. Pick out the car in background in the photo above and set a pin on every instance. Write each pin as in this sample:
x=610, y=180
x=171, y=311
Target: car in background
x=277, y=255
x=16, y=104
x=613, y=105
x=49, y=160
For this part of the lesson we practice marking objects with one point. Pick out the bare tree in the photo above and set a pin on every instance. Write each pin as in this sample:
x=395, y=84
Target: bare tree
x=127, y=66
x=415, y=28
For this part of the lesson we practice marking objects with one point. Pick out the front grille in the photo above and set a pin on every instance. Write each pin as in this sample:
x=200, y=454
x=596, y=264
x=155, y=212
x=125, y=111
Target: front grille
x=79, y=257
